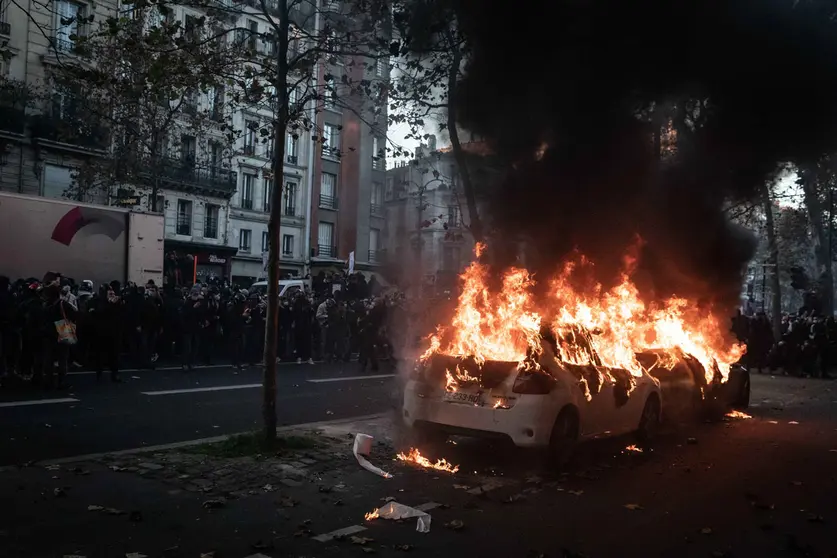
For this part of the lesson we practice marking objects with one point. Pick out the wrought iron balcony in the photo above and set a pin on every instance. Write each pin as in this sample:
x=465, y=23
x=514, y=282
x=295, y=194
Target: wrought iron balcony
x=70, y=130
x=290, y=211
x=184, y=225
x=292, y=159
x=377, y=209
x=185, y=175
x=326, y=251
x=328, y=202
x=210, y=227
x=376, y=256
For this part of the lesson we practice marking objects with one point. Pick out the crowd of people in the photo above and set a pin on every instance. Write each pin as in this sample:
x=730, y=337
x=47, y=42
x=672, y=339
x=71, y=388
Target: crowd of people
x=51, y=325
x=806, y=346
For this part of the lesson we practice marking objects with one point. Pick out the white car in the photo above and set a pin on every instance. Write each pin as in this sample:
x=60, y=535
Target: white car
x=449, y=395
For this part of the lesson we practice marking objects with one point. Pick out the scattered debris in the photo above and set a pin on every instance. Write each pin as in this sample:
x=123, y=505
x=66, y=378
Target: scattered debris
x=287, y=502
x=113, y=511
x=395, y=511
x=706, y=531
x=95, y=508
x=329, y=412
x=691, y=441
x=210, y=554
x=59, y=492
x=362, y=448
x=268, y=488
x=215, y=503
x=135, y=555
x=576, y=492
x=514, y=498
x=455, y=525
x=403, y=547
x=793, y=422
x=53, y=467
x=461, y=486
x=325, y=489
x=388, y=499
x=338, y=502
x=633, y=507
x=360, y=540
x=368, y=550
x=814, y=518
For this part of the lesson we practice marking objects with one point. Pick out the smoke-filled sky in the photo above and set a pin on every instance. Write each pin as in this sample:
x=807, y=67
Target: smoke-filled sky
x=577, y=73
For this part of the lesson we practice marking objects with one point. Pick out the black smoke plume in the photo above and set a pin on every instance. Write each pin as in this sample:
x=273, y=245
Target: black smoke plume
x=593, y=79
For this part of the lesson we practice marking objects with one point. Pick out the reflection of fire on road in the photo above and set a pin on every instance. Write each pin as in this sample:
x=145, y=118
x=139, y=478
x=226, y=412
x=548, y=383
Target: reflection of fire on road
x=584, y=323
x=414, y=456
x=738, y=415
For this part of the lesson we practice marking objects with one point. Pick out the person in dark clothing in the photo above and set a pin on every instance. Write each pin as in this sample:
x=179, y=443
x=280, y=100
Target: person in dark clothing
x=106, y=317
x=370, y=335
x=193, y=321
x=8, y=333
x=30, y=316
x=254, y=322
x=211, y=332
x=303, y=317
x=56, y=351
x=234, y=327
x=285, y=348
x=151, y=324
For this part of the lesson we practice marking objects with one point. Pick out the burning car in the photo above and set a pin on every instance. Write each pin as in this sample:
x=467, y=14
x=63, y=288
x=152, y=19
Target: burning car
x=547, y=371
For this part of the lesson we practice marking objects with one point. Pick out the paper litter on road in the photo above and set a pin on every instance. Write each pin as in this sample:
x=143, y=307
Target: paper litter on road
x=396, y=511
x=362, y=448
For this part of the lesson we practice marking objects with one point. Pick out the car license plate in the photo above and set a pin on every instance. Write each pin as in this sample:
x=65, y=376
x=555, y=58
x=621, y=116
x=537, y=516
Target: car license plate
x=462, y=397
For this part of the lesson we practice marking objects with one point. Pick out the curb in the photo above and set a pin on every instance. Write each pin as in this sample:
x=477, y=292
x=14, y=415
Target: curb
x=188, y=443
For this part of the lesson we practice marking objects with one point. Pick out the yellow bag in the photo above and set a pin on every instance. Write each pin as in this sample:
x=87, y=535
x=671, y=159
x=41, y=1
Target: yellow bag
x=65, y=328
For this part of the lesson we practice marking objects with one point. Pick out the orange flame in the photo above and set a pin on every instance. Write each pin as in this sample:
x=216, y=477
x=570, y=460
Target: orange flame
x=592, y=326
x=738, y=415
x=371, y=515
x=414, y=456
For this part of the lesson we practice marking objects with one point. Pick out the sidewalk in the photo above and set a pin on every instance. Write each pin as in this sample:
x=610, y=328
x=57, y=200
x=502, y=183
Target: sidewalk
x=181, y=503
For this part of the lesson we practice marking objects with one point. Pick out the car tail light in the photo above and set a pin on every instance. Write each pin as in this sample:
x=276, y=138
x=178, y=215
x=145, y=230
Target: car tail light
x=533, y=383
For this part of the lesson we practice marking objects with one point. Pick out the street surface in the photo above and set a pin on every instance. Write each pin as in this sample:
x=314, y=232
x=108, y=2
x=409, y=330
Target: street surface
x=170, y=405
x=761, y=487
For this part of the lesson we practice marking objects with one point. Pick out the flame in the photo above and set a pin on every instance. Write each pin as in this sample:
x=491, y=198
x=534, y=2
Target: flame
x=371, y=515
x=738, y=415
x=634, y=449
x=591, y=325
x=414, y=456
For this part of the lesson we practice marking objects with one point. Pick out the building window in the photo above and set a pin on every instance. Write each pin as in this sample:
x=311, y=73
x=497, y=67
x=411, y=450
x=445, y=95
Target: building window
x=247, y=191
x=378, y=155
x=287, y=245
x=454, y=218
x=190, y=102
x=390, y=189
x=325, y=240
x=328, y=191
x=331, y=141
x=374, y=239
x=250, y=128
x=330, y=97
x=245, y=238
x=254, y=33
x=265, y=242
x=269, y=142
x=216, y=111
x=291, y=149
x=290, y=199
x=184, y=217
x=158, y=203
x=380, y=68
x=188, y=150
x=377, y=206
x=210, y=223
x=67, y=25
x=268, y=193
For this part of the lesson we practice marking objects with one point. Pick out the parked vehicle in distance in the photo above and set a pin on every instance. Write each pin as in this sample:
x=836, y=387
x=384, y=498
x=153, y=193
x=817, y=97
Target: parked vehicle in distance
x=287, y=287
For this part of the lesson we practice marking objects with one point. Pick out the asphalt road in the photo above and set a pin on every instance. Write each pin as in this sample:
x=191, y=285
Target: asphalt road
x=760, y=487
x=170, y=405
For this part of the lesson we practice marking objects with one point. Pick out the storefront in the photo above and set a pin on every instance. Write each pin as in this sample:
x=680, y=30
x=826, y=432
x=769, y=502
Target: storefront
x=187, y=262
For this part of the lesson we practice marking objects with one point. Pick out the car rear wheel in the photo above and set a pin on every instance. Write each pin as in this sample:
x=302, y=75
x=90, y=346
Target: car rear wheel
x=649, y=421
x=743, y=399
x=564, y=436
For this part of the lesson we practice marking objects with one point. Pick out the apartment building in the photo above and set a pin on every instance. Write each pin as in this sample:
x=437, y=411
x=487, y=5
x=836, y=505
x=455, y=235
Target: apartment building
x=426, y=234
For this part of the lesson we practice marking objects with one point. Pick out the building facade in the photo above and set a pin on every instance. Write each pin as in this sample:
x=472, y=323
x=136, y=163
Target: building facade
x=426, y=235
x=215, y=197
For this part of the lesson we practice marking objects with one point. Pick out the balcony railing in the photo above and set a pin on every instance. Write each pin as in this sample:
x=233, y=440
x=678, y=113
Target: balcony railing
x=375, y=256
x=184, y=225
x=376, y=209
x=70, y=130
x=247, y=203
x=378, y=163
x=292, y=159
x=12, y=120
x=64, y=45
x=179, y=173
x=326, y=251
x=250, y=150
x=210, y=228
x=5, y=28
x=290, y=211
x=328, y=202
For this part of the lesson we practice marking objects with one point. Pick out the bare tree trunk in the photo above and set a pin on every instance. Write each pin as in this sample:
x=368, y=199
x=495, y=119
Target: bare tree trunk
x=274, y=229
x=773, y=261
x=820, y=236
x=458, y=154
